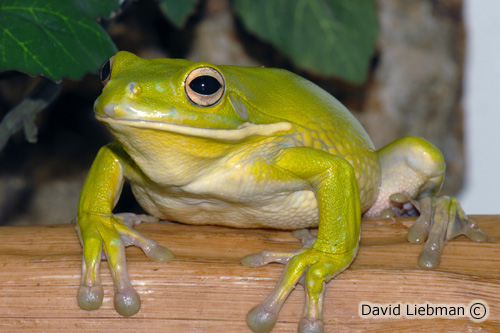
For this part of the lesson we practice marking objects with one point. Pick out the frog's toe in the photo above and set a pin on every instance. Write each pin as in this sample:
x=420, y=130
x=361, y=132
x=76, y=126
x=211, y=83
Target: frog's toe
x=315, y=280
x=131, y=219
x=311, y=326
x=429, y=258
x=254, y=260
x=305, y=236
x=90, y=298
x=158, y=253
x=261, y=320
x=419, y=231
x=476, y=235
x=127, y=302
x=400, y=204
x=460, y=224
x=266, y=257
x=151, y=248
x=90, y=294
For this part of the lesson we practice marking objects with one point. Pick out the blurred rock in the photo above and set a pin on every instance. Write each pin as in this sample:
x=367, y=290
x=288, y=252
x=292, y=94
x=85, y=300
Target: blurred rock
x=417, y=84
x=215, y=38
x=53, y=202
x=14, y=192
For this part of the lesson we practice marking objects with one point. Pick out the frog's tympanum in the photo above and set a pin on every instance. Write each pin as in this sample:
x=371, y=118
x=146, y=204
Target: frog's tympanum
x=251, y=148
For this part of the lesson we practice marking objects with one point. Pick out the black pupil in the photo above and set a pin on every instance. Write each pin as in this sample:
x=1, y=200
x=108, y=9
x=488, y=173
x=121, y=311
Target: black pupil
x=105, y=70
x=205, y=85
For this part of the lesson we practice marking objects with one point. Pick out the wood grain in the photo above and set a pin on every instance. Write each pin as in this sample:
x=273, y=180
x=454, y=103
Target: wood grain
x=205, y=289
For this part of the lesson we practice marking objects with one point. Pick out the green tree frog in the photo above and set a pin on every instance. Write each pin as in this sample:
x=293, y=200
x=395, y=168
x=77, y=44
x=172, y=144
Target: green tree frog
x=251, y=148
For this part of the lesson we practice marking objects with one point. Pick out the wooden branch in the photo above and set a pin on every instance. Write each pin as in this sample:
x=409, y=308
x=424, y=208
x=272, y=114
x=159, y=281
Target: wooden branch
x=206, y=289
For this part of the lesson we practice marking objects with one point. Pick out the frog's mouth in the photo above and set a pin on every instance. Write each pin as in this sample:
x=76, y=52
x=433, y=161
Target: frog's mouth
x=243, y=131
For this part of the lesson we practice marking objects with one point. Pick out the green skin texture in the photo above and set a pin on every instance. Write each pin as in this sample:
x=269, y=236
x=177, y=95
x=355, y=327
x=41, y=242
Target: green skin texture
x=273, y=140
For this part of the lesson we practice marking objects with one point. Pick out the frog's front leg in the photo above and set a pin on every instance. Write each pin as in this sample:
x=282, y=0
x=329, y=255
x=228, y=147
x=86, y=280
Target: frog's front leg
x=99, y=228
x=333, y=181
x=413, y=173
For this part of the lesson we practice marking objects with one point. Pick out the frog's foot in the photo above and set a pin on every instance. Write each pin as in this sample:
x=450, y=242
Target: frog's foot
x=441, y=219
x=128, y=219
x=314, y=268
x=112, y=234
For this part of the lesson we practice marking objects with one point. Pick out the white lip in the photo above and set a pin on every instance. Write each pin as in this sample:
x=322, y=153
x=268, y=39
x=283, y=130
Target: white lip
x=241, y=132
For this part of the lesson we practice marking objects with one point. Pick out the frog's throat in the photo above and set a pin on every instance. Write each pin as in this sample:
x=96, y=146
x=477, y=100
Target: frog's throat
x=241, y=132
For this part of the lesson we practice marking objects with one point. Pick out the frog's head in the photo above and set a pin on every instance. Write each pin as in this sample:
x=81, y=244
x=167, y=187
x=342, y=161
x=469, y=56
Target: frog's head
x=183, y=97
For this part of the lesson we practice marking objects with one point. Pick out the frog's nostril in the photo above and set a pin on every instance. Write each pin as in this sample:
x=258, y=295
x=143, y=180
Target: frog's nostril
x=134, y=88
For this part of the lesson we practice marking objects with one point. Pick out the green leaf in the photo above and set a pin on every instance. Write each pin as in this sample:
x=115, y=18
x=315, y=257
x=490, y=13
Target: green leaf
x=54, y=38
x=178, y=10
x=331, y=37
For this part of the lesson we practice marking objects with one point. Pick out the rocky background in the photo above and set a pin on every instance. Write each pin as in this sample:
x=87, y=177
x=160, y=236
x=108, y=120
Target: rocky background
x=414, y=88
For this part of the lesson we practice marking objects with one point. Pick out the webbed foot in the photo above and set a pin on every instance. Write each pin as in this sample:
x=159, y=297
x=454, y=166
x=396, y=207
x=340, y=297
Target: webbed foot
x=308, y=266
x=441, y=219
x=113, y=233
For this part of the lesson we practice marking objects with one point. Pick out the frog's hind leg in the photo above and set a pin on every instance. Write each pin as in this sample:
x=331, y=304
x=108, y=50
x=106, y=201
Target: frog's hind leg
x=412, y=176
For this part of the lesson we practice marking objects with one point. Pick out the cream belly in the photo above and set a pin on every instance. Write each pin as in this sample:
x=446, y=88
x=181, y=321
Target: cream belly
x=285, y=210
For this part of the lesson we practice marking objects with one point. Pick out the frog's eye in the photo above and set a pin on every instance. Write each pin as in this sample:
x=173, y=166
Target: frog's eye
x=105, y=72
x=204, y=86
